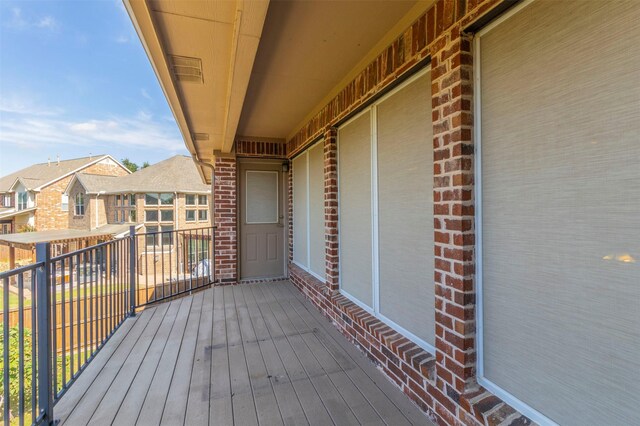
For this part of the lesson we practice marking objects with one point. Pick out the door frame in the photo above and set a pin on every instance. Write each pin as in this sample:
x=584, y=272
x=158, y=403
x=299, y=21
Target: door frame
x=284, y=190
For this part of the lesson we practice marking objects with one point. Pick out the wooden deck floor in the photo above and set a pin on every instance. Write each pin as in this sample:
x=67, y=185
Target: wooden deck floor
x=245, y=355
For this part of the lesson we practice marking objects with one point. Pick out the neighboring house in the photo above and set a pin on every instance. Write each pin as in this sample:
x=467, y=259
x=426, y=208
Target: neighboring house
x=164, y=197
x=455, y=183
x=34, y=197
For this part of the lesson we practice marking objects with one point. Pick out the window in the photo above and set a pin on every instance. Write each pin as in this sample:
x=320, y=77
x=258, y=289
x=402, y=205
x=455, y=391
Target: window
x=166, y=199
x=64, y=203
x=166, y=215
x=202, y=200
x=118, y=200
x=151, y=215
x=23, y=198
x=116, y=216
x=5, y=228
x=167, y=235
x=132, y=215
x=79, y=207
x=151, y=199
x=132, y=199
x=190, y=215
x=386, y=200
x=559, y=266
x=190, y=200
x=151, y=237
x=7, y=200
x=202, y=215
x=308, y=206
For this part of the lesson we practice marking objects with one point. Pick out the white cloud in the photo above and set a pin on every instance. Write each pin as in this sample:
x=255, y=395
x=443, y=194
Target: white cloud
x=145, y=94
x=19, y=22
x=26, y=103
x=48, y=22
x=122, y=39
x=43, y=133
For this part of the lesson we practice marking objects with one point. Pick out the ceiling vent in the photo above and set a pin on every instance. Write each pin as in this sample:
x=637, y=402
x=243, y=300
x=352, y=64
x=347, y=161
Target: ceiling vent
x=186, y=68
x=201, y=136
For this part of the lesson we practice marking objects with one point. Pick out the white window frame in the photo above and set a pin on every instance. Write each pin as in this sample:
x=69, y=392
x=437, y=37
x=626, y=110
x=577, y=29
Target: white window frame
x=64, y=202
x=206, y=213
x=20, y=205
x=195, y=200
x=79, y=206
x=305, y=268
x=510, y=399
x=374, y=309
x=195, y=215
x=151, y=193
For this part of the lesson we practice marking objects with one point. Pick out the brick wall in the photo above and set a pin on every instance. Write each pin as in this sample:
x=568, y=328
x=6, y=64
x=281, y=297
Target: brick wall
x=83, y=221
x=442, y=384
x=224, y=196
x=261, y=148
x=49, y=213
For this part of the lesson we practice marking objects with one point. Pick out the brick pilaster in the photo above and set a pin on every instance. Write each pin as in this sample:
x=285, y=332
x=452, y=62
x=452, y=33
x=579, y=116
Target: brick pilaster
x=225, y=215
x=454, y=214
x=331, y=207
x=290, y=212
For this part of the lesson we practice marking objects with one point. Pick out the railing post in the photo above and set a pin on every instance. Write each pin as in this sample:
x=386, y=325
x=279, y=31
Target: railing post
x=132, y=269
x=43, y=307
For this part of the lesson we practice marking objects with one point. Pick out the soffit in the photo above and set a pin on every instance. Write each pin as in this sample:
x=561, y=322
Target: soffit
x=307, y=47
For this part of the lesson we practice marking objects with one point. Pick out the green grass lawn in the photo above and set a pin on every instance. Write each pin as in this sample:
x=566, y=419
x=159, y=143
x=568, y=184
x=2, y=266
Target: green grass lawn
x=13, y=298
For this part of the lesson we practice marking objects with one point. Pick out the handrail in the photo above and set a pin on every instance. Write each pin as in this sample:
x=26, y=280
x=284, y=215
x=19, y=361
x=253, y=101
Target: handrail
x=88, y=294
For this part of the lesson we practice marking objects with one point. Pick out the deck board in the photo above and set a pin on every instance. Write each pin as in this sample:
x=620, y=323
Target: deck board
x=253, y=354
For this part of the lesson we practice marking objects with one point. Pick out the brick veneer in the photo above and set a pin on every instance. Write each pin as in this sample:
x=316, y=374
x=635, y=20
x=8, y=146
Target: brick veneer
x=443, y=384
x=49, y=213
x=260, y=148
x=224, y=197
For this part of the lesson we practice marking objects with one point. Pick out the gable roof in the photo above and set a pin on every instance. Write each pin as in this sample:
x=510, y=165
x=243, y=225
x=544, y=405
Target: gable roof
x=91, y=183
x=175, y=174
x=39, y=175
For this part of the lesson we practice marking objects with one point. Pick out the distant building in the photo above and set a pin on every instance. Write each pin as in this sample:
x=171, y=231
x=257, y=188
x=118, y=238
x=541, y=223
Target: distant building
x=166, y=196
x=34, y=196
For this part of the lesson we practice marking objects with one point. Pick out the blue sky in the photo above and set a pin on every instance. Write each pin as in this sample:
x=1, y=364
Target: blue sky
x=74, y=81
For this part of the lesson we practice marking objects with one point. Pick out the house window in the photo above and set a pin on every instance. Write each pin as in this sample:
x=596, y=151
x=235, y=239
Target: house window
x=190, y=215
x=202, y=215
x=79, y=207
x=167, y=234
x=151, y=199
x=132, y=216
x=166, y=199
x=308, y=206
x=559, y=244
x=116, y=216
x=5, y=228
x=64, y=204
x=23, y=198
x=7, y=200
x=386, y=210
x=151, y=215
x=190, y=200
x=151, y=237
x=166, y=215
x=132, y=199
x=202, y=200
x=118, y=200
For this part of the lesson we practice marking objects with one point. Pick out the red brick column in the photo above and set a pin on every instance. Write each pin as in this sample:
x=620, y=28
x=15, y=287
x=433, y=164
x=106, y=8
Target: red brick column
x=331, y=207
x=225, y=216
x=454, y=215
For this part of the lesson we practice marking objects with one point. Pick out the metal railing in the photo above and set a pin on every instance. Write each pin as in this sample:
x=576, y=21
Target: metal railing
x=88, y=293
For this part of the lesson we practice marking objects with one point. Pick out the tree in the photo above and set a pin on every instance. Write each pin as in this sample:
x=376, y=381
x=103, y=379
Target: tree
x=130, y=165
x=145, y=165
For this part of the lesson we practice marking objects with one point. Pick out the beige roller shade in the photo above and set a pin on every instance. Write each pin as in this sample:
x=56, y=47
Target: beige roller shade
x=560, y=104
x=405, y=209
x=300, y=248
x=354, y=168
x=316, y=210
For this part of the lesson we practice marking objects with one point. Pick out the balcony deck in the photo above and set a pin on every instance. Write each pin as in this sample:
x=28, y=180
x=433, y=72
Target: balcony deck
x=244, y=355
